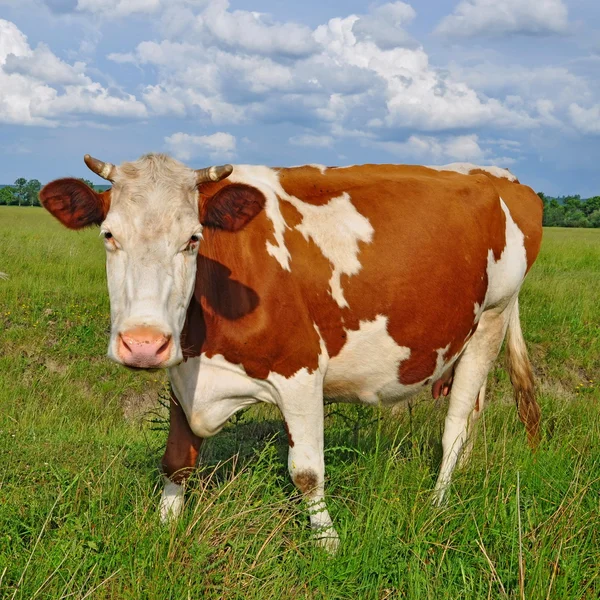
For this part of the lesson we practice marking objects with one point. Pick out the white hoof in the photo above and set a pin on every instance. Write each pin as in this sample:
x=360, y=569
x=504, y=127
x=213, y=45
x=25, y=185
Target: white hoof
x=328, y=539
x=171, y=502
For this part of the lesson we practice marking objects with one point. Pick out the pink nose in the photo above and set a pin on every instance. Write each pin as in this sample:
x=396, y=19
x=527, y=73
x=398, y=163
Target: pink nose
x=144, y=347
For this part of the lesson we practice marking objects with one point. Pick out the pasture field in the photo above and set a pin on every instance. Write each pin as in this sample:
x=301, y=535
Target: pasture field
x=81, y=439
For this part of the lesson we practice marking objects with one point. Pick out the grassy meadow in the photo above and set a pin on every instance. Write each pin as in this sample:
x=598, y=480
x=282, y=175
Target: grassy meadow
x=81, y=439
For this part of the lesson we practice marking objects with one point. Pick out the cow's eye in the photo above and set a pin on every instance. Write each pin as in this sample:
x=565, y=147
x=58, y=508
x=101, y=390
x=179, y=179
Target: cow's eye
x=192, y=244
x=109, y=241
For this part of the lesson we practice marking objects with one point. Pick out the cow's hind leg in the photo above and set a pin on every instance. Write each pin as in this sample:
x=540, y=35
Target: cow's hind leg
x=178, y=461
x=301, y=405
x=472, y=426
x=469, y=379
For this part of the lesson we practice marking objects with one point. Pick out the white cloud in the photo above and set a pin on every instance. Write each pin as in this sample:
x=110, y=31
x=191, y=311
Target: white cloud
x=42, y=64
x=585, y=120
x=502, y=17
x=240, y=67
x=12, y=41
x=544, y=93
x=319, y=141
x=428, y=148
x=118, y=8
x=384, y=25
x=439, y=150
x=161, y=102
x=415, y=94
x=253, y=32
x=498, y=79
x=122, y=57
x=28, y=95
x=218, y=146
x=181, y=100
x=215, y=24
x=91, y=99
x=361, y=76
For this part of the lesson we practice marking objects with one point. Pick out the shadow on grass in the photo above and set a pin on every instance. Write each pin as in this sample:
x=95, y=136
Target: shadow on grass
x=354, y=437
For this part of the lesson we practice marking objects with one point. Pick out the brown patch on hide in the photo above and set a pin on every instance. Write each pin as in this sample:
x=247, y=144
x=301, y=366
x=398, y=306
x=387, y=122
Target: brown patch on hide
x=306, y=481
x=289, y=434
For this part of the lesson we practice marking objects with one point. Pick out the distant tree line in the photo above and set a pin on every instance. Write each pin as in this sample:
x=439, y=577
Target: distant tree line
x=564, y=211
x=22, y=193
x=25, y=192
x=571, y=211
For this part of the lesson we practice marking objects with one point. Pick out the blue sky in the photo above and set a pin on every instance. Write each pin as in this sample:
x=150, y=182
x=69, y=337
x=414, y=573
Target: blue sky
x=514, y=83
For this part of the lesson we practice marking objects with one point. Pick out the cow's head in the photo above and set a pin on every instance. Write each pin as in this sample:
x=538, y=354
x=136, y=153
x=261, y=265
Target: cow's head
x=151, y=221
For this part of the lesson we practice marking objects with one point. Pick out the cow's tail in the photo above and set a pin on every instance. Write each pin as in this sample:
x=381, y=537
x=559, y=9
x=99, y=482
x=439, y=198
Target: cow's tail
x=521, y=377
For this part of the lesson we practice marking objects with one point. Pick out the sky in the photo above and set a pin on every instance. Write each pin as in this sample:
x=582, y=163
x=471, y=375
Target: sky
x=513, y=83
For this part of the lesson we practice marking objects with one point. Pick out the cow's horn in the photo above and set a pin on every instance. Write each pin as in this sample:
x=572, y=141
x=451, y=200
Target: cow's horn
x=107, y=170
x=213, y=173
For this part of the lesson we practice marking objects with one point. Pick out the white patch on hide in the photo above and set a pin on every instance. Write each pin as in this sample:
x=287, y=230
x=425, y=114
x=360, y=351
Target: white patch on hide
x=466, y=168
x=440, y=363
x=336, y=228
x=322, y=168
x=505, y=275
x=366, y=369
x=266, y=180
x=211, y=390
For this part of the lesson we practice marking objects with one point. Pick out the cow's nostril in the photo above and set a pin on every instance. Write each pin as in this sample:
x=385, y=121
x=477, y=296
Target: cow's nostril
x=165, y=345
x=124, y=343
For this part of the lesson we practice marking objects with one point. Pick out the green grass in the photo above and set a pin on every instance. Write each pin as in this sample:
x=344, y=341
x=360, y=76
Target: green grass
x=80, y=445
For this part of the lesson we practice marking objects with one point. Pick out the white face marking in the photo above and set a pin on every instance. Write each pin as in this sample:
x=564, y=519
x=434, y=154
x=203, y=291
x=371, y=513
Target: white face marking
x=150, y=263
x=505, y=276
x=466, y=168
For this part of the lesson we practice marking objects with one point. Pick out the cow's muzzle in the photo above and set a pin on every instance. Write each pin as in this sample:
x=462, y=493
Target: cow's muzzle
x=144, y=347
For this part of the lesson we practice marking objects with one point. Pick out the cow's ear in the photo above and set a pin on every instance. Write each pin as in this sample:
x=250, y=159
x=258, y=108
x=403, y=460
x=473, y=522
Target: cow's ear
x=232, y=207
x=74, y=203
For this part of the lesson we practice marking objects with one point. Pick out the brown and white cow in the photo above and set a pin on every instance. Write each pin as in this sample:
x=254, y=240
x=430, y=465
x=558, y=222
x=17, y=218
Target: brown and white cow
x=287, y=286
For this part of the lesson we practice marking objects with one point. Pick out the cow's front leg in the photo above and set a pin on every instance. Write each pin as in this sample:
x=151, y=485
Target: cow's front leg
x=301, y=404
x=178, y=461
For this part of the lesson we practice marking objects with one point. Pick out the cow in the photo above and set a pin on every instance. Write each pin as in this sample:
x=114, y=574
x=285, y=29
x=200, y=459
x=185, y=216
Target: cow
x=295, y=286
